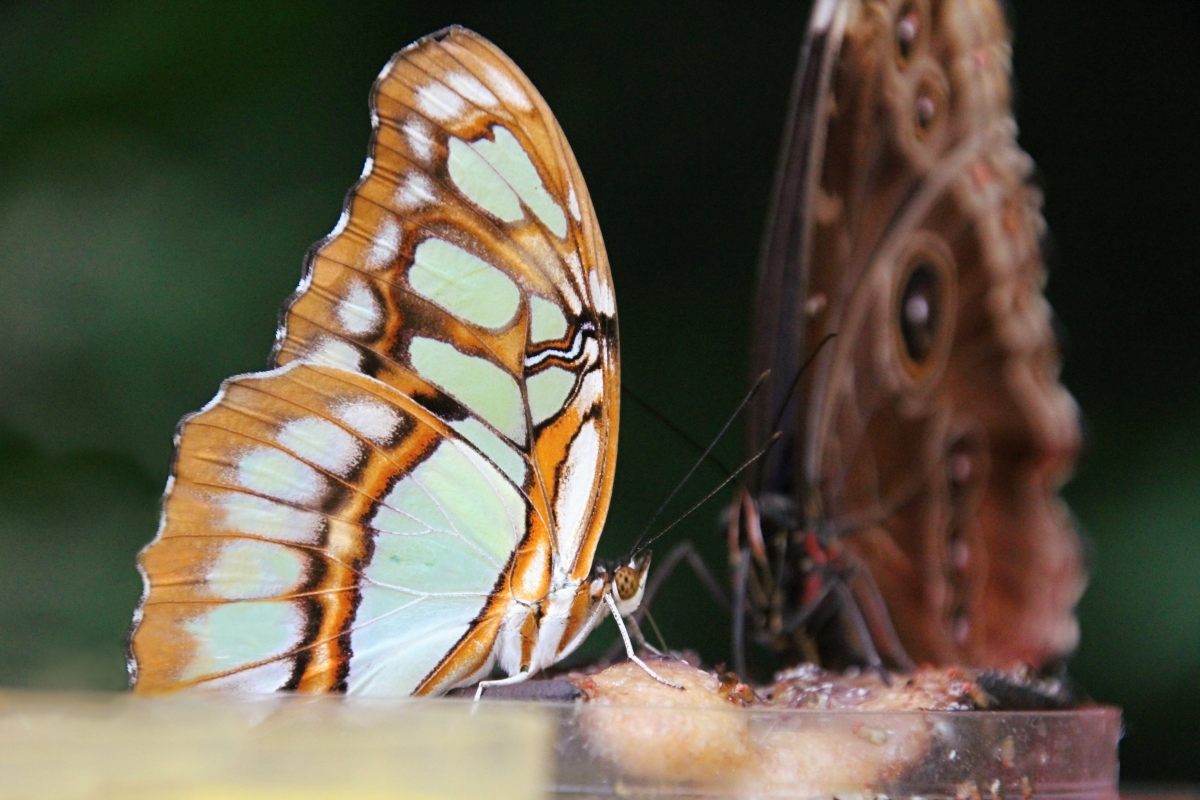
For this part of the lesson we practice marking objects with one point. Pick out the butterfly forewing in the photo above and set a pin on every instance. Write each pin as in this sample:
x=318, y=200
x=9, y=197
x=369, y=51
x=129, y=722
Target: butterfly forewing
x=930, y=436
x=473, y=227
x=434, y=448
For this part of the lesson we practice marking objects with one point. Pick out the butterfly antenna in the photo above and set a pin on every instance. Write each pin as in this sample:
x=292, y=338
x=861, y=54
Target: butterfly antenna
x=795, y=384
x=733, y=476
x=704, y=456
x=670, y=425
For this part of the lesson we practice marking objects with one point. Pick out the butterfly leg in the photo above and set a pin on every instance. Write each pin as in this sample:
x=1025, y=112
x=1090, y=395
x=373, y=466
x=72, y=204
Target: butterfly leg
x=799, y=619
x=831, y=593
x=612, y=606
x=862, y=630
x=744, y=538
x=862, y=611
x=516, y=677
x=872, y=610
x=684, y=552
x=741, y=576
x=639, y=638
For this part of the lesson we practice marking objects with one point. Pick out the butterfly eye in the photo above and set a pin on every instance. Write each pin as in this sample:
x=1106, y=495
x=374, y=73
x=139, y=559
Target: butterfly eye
x=626, y=581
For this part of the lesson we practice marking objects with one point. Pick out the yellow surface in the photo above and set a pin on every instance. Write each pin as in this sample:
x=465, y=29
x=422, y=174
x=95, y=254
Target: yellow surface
x=199, y=747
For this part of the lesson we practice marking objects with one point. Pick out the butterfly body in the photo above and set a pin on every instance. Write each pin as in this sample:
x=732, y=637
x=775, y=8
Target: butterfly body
x=414, y=492
x=926, y=442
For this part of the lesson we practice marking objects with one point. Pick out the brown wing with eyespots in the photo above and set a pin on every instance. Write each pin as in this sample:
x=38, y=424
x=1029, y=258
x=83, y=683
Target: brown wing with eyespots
x=931, y=435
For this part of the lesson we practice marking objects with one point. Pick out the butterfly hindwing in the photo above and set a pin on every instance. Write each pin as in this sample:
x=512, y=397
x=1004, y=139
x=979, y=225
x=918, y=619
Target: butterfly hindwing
x=319, y=507
x=435, y=444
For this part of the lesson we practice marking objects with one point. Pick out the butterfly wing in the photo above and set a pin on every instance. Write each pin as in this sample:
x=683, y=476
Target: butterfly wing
x=779, y=340
x=436, y=440
x=932, y=433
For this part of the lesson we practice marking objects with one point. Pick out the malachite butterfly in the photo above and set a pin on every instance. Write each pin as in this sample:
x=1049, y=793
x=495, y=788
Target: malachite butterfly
x=911, y=509
x=412, y=495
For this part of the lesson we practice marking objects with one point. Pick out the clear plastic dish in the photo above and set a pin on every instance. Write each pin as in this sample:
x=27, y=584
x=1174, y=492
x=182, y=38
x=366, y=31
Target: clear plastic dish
x=71, y=746
x=803, y=754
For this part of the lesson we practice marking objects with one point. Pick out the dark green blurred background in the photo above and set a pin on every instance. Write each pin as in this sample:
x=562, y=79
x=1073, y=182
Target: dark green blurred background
x=164, y=168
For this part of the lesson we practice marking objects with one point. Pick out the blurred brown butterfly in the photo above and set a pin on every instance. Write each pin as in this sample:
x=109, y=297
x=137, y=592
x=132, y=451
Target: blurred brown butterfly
x=910, y=512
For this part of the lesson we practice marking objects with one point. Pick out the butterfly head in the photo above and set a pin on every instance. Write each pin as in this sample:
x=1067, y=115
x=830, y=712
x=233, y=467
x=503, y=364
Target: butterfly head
x=626, y=581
